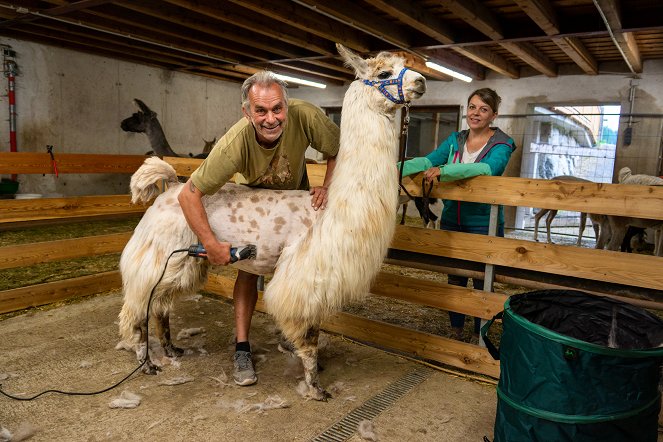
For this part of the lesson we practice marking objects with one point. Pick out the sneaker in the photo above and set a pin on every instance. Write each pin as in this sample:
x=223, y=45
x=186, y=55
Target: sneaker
x=244, y=373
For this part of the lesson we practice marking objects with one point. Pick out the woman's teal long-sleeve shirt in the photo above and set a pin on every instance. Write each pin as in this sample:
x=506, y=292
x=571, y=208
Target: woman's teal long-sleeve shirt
x=492, y=160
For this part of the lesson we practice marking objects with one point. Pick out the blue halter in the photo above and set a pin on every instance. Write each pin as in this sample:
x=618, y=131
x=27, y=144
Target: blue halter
x=382, y=87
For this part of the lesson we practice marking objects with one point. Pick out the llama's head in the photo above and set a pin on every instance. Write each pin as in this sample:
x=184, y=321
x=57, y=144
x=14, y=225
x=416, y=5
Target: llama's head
x=393, y=84
x=139, y=121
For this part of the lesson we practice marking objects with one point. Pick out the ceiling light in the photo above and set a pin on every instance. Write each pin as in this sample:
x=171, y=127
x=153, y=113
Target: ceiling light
x=448, y=71
x=300, y=81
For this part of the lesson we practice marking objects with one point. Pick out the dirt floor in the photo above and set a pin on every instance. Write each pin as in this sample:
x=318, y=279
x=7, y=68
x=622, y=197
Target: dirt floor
x=72, y=347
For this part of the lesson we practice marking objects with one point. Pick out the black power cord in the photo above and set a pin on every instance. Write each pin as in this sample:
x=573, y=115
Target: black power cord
x=147, y=350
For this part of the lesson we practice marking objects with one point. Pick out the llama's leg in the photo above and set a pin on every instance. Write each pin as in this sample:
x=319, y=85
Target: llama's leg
x=583, y=223
x=538, y=217
x=305, y=342
x=617, y=233
x=163, y=333
x=149, y=367
x=549, y=219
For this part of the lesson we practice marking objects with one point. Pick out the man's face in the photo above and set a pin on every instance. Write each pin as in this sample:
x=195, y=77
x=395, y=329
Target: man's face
x=267, y=112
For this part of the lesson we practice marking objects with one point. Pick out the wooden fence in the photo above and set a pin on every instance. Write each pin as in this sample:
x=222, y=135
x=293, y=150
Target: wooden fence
x=538, y=265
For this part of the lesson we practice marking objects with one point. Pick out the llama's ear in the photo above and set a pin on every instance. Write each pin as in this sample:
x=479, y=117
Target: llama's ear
x=353, y=60
x=142, y=106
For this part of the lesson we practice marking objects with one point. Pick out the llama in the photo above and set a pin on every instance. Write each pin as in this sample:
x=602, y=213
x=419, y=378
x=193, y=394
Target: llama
x=619, y=225
x=321, y=260
x=145, y=121
x=552, y=213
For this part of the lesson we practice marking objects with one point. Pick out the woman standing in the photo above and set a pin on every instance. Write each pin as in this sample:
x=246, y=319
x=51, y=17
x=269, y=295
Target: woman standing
x=480, y=150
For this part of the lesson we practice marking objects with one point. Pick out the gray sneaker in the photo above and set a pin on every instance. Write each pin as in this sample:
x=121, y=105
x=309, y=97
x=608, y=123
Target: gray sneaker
x=244, y=373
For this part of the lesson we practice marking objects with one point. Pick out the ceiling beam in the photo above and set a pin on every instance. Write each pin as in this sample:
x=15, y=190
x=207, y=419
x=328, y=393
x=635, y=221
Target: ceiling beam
x=481, y=18
x=418, y=64
x=349, y=14
x=76, y=6
x=625, y=41
x=421, y=19
x=489, y=59
x=179, y=17
x=542, y=13
x=303, y=18
x=258, y=24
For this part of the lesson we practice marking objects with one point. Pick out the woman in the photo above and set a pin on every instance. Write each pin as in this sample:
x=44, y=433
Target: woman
x=479, y=150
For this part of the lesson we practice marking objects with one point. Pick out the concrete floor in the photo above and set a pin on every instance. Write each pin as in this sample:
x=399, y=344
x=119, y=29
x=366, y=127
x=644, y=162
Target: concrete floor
x=71, y=348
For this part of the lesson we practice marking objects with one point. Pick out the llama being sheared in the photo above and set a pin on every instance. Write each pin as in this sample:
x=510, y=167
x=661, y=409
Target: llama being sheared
x=321, y=260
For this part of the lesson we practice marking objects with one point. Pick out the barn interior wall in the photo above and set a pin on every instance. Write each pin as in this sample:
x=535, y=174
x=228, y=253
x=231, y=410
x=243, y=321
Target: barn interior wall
x=76, y=101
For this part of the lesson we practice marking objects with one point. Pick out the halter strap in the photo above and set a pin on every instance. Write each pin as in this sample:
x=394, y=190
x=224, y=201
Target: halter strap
x=382, y=87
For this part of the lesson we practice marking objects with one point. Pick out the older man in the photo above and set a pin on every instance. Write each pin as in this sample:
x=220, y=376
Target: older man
x=267, y=147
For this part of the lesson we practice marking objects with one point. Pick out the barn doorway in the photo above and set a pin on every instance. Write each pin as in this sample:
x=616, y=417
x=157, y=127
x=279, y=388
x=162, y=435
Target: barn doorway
x=568, y=139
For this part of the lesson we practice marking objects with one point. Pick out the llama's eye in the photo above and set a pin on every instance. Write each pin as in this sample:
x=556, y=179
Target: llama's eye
x=384, y=75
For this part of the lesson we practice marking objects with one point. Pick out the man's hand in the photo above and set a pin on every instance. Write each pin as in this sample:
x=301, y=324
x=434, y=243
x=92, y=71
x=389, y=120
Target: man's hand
x=218, y=253
x=319, y=198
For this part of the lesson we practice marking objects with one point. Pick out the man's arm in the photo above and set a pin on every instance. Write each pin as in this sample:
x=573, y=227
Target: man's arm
x=319, y=198
x=190, y=199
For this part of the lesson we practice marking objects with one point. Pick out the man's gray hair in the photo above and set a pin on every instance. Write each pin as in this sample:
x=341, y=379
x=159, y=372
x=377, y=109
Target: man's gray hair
x=262, y=78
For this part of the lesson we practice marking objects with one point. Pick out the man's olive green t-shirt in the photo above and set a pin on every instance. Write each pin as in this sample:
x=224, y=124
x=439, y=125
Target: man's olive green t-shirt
x=281, y=167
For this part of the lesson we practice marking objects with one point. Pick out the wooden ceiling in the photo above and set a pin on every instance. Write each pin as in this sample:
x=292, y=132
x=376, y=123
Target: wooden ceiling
x=231, y=39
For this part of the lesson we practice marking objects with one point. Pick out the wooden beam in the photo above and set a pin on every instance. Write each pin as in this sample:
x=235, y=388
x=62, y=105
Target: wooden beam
x=417, y=18
x=455, y=61
x=350, y=13
x=418, y=64
x=477, y=15
x=488, y=58
x=578, y=52
x=14, y=211
x=259, y=24
x=31, y=163
x=42, y=294
x=303, y=18
x=543, y=14
x=28, y=254
x=569, y=261
x=625, y=40
x=439, y=295
x=530, y=55
x=608, y=199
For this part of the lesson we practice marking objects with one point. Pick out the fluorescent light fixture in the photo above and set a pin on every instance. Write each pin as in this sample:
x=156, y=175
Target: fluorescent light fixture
x=300, y=81
x=448, y=71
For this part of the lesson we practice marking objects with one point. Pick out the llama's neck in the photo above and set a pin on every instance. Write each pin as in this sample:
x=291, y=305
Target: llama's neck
x=158, y=141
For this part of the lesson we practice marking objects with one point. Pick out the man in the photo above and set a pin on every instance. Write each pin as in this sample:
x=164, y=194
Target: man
x=267, y=147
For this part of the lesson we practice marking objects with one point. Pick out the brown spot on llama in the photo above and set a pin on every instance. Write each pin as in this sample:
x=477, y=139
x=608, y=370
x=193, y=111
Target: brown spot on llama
x=279, y=222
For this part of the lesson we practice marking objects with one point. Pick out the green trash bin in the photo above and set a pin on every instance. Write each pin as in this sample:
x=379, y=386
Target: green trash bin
x=576, y=367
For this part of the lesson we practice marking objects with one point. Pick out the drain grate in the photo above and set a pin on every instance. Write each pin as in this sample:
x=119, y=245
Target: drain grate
x=347, y=426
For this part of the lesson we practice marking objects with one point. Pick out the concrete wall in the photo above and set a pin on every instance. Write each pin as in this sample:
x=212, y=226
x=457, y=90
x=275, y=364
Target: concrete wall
x=75, y=102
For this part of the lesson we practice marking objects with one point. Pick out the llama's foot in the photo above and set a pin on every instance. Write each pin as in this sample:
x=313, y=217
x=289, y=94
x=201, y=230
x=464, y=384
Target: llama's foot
x=317, y=393
x=150, y=368
x=172, y=351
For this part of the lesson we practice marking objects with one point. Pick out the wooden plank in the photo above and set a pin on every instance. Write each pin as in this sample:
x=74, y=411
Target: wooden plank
x=41, y=294
x=604, y=265
x=423, y=345
x=73, y=207
x=30, y=163
x=35, y=253
x=440, y=295
x=609, y=199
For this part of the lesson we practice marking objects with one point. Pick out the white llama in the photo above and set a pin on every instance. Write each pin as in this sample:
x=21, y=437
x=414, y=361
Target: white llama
x=325, y=258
